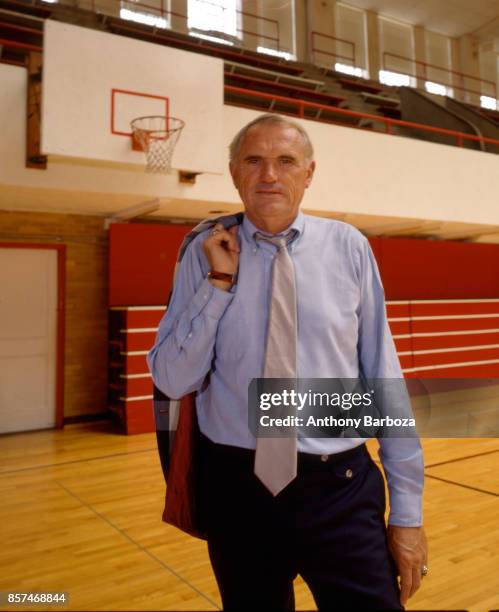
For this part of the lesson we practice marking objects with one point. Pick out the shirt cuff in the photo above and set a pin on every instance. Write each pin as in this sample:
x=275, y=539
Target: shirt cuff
x=211, y=301
x=405, y=509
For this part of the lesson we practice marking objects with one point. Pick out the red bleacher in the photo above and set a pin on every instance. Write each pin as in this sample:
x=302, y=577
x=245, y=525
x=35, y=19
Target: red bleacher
x=434, y=339
x=447, y=338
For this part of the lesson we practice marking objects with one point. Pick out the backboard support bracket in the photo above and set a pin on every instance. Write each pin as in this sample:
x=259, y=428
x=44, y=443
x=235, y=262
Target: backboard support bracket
x=137, y=210
x=34, y=157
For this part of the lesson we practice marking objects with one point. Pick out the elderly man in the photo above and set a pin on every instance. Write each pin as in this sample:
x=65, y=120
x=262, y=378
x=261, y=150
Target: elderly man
x=289, y=295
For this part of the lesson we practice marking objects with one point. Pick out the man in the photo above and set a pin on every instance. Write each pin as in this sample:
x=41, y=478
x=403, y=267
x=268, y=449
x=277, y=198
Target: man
x=326, y=521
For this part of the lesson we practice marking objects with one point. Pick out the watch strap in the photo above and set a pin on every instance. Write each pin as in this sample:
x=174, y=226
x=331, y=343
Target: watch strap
x=222, y=276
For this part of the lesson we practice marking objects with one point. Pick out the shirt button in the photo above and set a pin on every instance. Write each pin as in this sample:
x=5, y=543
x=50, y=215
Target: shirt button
x=254, y=250
x=324, y=457
x=205, y=296
x=349, y=473
x=189, y=335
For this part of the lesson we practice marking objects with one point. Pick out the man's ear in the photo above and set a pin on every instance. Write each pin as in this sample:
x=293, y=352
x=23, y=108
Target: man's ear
x=310, y=173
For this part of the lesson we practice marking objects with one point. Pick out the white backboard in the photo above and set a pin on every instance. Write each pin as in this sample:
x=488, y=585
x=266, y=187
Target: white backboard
x=94, y=83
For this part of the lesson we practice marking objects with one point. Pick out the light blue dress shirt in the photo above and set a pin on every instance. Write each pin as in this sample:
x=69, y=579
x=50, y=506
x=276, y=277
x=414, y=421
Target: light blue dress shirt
x=342, y=330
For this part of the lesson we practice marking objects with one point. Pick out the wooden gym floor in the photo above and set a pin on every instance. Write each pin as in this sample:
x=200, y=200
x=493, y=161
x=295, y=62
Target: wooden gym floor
x=81, y=513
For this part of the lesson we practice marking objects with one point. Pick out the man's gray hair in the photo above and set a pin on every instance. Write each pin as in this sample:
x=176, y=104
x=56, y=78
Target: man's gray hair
x=271, y=119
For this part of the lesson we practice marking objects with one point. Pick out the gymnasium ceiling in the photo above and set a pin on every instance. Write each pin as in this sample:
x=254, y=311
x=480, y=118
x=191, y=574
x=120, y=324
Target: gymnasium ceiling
x=449, y=17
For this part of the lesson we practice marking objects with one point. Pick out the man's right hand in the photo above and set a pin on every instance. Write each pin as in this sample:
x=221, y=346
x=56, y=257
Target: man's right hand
x=221, y=248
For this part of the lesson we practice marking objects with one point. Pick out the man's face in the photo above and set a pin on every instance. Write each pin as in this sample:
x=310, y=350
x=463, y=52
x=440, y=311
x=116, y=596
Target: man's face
x=271, y=174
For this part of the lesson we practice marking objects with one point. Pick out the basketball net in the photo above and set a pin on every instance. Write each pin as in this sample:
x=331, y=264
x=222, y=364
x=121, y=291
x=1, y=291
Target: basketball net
x=157, y=137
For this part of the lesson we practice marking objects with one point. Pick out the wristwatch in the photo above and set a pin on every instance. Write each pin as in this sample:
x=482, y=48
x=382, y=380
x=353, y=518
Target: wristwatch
x=223, y=276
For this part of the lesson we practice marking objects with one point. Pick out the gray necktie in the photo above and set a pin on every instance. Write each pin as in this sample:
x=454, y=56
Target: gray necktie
x=275, y=458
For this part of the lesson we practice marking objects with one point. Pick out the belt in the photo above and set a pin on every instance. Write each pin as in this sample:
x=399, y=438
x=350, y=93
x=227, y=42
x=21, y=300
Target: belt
x=312, y=459
x=305, y=460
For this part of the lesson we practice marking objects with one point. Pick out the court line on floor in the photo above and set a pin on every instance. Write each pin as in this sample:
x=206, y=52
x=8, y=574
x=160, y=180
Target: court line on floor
x=148, y=450
x=137, y=544
x=49, y=465
x=460, y=484
x=463, y=458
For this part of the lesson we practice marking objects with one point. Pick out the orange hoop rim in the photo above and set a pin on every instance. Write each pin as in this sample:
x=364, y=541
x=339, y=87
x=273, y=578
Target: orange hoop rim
x=173, y=125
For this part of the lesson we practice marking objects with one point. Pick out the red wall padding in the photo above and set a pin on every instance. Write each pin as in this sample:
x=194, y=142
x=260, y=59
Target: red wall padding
x=141, y=261
x=429, y=269
x=142, y=257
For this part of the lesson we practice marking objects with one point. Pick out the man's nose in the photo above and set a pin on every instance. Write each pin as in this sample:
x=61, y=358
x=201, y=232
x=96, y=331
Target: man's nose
x=268, y=172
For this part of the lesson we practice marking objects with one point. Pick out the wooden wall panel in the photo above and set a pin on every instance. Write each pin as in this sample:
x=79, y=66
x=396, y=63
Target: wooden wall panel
x=85, y=371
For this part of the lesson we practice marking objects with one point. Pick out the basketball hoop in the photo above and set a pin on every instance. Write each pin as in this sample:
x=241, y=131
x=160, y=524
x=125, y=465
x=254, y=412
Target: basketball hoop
x=157, y=137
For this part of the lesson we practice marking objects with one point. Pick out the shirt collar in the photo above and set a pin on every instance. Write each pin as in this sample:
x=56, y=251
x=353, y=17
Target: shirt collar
x=249, y=229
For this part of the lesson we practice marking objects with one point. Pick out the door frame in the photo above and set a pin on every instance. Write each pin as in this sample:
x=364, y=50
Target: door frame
x=61, y=309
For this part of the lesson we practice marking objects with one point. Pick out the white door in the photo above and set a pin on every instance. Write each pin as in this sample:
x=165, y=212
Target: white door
x=28, y=338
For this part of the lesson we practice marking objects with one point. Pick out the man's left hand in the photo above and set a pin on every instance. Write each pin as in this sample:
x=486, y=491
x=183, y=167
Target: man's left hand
x=409, y=550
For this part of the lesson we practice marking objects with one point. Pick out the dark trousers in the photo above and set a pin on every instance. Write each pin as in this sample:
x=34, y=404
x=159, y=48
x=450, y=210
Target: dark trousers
x=327, y=525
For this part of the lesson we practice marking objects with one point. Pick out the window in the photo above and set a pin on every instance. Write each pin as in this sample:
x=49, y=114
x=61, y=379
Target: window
x=352, y=70
x=154, y=13
x=438, y=69
x=396, y=79
x=214, y=16
x=488, y=102
x=397, y=52
x=438, y=89
x=350, y=40
x=489, y=71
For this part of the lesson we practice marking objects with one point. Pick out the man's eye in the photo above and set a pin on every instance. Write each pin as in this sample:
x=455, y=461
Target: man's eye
x=286, y=160
x=252, y=160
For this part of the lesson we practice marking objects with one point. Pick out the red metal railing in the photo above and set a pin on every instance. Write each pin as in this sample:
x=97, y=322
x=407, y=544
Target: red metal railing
x=17, y=45
x=350, y=58
x=12, y=44
x=33, y=8
x=164, y=13
x=389, y=123
x=424, y=75
x=5, y=25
